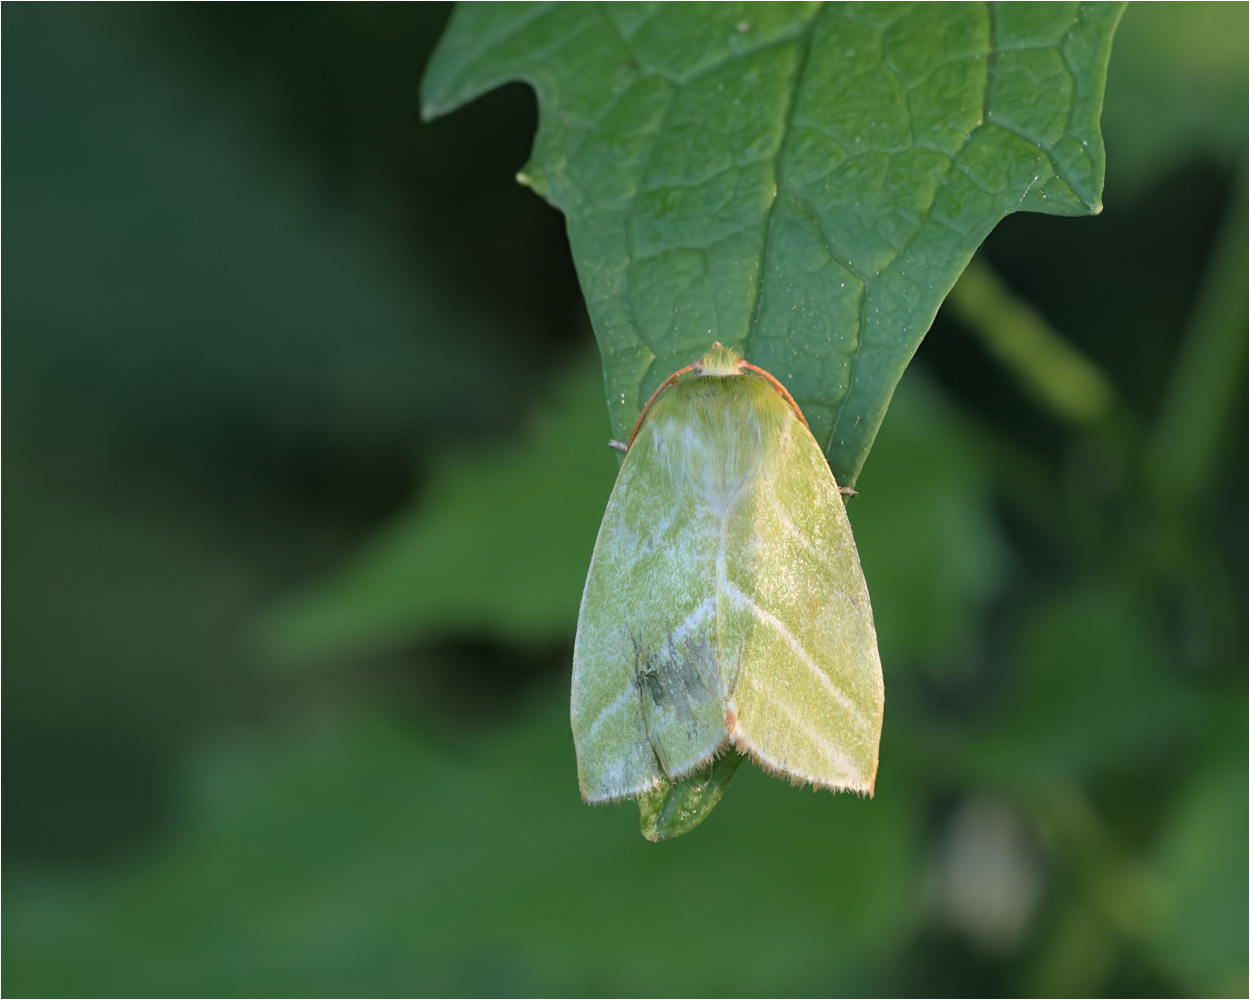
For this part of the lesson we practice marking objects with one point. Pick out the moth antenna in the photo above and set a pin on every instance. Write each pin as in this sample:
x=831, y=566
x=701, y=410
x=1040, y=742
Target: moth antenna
x=778, y=386
x=663, y=385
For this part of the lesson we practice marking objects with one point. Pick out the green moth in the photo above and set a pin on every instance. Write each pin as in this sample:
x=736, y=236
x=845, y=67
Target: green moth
x=725, y=607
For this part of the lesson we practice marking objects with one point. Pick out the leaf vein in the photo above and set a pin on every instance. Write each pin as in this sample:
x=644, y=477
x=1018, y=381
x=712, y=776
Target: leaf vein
x=807, y=36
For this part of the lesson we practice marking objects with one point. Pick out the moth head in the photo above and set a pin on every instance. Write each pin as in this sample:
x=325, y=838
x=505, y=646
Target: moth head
x=719, y=362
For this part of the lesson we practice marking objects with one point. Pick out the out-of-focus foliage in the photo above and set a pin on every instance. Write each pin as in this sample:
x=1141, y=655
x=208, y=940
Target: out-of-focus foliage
x=497, y=545
x=232, y=300
x=203, y=363
x=1180, y=91
x=479, y=875
x=802, y=182
x=275, y=344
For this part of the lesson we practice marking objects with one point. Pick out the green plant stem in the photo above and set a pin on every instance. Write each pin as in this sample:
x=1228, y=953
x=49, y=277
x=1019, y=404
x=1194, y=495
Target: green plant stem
x=1211, y=367
x=1053, y=372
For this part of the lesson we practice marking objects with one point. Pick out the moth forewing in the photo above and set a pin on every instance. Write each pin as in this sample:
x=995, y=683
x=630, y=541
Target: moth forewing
x=647, y=699
x=725, y=601
x=809, y=698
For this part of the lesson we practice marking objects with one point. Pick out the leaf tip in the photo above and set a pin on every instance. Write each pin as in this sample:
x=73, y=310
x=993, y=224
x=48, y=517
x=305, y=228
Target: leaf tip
x=532, y=176
x=433, y=105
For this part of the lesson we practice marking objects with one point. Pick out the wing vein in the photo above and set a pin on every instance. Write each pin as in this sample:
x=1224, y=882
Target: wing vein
x=833, y=755
x=777, y=625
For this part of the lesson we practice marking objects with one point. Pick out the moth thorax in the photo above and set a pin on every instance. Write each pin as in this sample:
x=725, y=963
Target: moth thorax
x=720, y=437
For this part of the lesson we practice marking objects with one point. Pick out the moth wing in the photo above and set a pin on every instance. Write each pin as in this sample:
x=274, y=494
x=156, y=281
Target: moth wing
x=808, y=697
x=647, y=695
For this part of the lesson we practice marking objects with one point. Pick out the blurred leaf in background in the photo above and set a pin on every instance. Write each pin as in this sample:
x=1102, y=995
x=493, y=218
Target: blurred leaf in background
x=417, y=889
x=498, y=544
x=1178, y=92
x=202, y=359
x=271, y=729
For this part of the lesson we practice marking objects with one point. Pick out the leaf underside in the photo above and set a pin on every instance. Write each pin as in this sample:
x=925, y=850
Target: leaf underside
x=803, y=182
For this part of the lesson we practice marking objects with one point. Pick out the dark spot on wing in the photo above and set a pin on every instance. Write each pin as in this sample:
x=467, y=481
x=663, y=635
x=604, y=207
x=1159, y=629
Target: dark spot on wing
x=676, y=677
x=655, y=690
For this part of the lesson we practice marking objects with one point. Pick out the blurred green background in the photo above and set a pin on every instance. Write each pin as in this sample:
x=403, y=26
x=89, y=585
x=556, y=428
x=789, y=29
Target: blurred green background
x=304, y=459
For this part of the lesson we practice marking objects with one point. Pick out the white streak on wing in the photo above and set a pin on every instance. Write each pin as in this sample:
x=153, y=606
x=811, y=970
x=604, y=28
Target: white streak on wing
x=800, y=536
x=772, y=621
x=696, y=618
x=839, y=760
x=700, y=614
x=622, y=699
x=641, y=547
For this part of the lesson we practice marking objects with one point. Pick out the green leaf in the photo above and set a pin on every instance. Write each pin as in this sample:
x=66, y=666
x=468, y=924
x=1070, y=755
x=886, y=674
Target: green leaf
x=678, y=807
x=801, y=182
